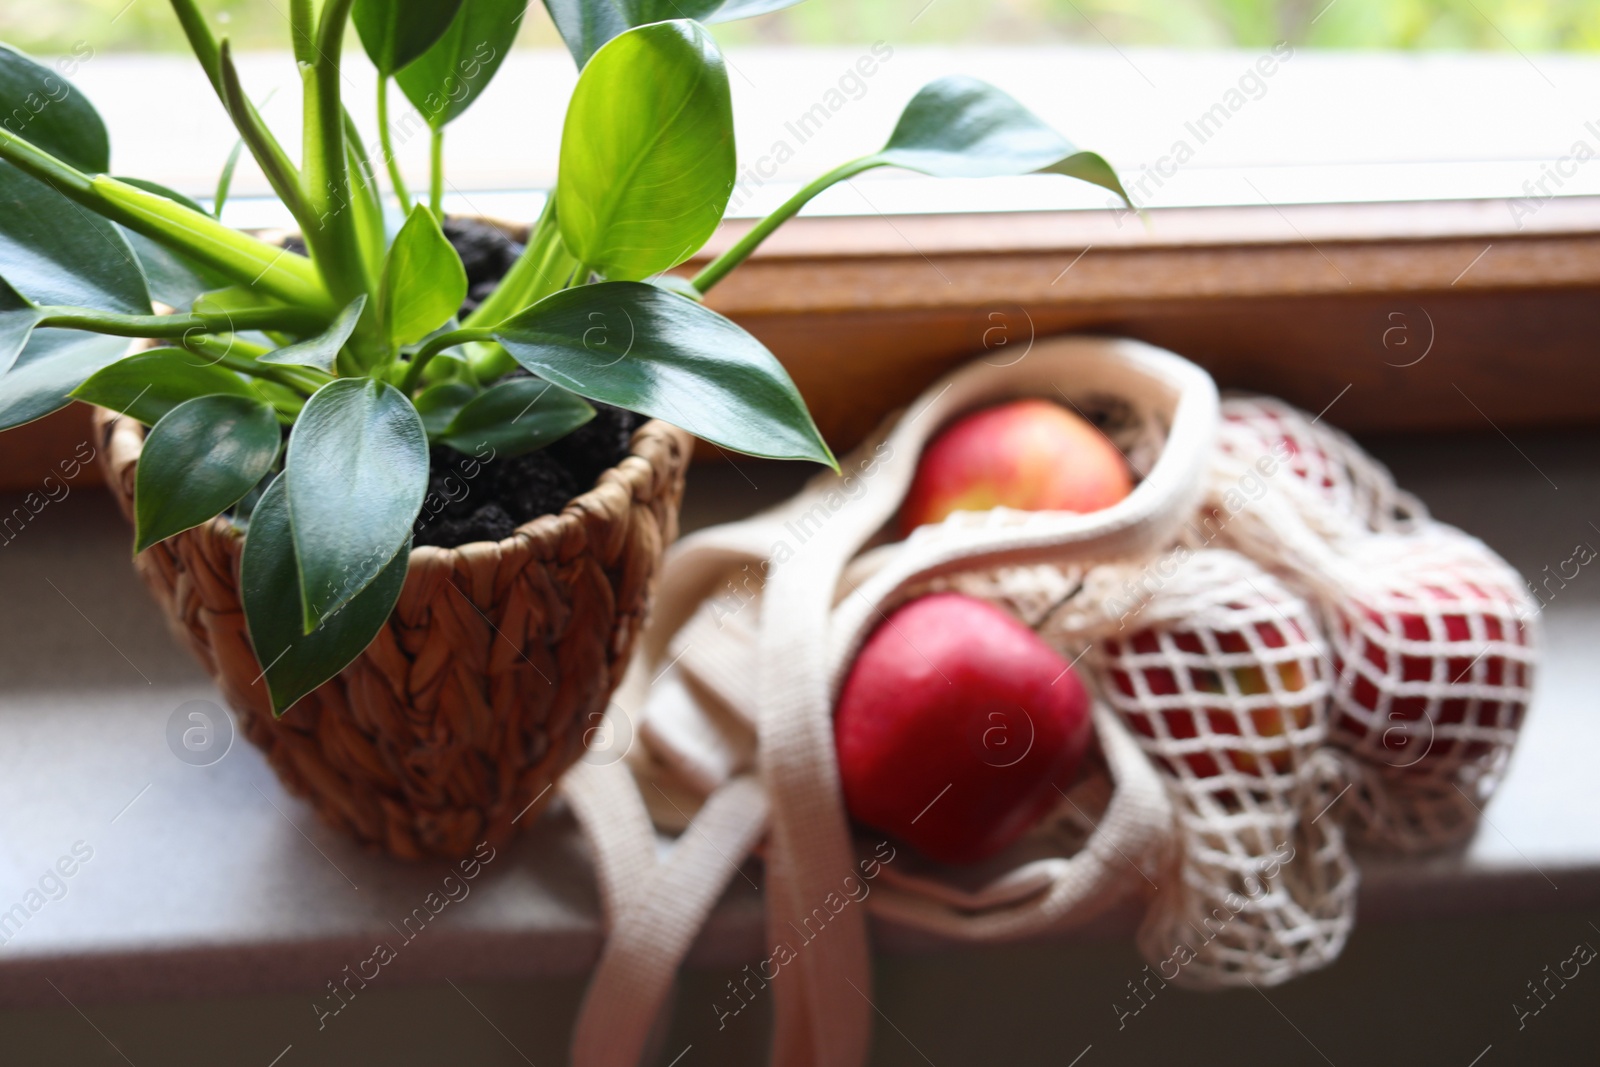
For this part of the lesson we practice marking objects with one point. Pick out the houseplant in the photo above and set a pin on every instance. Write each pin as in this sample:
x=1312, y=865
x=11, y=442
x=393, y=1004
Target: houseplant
x=294, y=397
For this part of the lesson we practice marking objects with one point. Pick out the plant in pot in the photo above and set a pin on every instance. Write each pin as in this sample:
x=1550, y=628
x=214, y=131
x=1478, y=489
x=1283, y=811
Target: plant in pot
x=306, y=409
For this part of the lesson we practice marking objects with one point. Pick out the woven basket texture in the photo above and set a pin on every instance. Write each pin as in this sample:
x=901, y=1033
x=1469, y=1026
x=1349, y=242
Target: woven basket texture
x=478, y=693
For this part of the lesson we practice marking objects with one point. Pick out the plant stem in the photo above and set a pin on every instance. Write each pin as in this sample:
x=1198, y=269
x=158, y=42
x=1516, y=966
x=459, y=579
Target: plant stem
x=114, y=324
x=275, y=163
x=205, y=345
x=436, y=174
x=268, y=153
x=723, y=264
x=368, y=198
x=385, y=138
x=327, y=176
x=201, y=42
x=243, y=258
x=540, y=270
x=266, y=268
x=287, y=408
x=37, y=163
x=288, y=376
x=241, y=356
x=419, y=361
x=302, y=22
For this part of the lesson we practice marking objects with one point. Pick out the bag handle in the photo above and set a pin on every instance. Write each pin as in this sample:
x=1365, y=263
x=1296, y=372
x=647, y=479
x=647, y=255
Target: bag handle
x=648, y=939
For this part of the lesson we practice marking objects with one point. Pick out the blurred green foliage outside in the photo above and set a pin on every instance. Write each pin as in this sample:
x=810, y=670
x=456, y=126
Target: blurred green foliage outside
x=46, y=26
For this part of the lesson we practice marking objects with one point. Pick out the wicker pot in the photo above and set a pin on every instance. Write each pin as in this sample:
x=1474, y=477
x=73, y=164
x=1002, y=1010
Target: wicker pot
x=477, y=693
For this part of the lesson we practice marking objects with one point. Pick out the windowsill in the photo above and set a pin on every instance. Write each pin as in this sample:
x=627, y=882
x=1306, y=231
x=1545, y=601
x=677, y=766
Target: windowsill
x=209, y=882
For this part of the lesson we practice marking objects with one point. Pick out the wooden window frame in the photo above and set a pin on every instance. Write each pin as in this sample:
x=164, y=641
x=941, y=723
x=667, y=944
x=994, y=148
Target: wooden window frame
x=1422, y=316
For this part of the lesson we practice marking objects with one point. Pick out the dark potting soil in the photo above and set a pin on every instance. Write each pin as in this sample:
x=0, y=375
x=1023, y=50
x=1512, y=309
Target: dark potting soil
x=486, y=500
x=476, y=499
x=486, y=253
x=473, y=499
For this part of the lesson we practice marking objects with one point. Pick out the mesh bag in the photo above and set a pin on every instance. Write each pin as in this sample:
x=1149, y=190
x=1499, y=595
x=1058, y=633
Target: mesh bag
x=1433, y=641
x=1226, y=689
x=1255, y=619
x=1433, y=636
x=1326, y=465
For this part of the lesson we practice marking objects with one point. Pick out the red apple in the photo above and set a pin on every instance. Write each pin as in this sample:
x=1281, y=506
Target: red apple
x=1435, y=657
x=956, y=727
x=1032, y=455
x=1229, y=675
x=1274, y=713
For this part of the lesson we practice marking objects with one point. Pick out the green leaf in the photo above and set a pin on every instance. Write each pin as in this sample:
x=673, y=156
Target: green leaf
x=732, y=10
x=640, y=12
x=225, y=179
x=955, y=127
x=322, y=350
x=18, y=317
x=357, y=471
x=173, y=278
x=232, y=299
x=395, y=32
x=959, y=127
x=366, y=201
x=1089, y=167
x=438, y=405
x=683, y=287
x=423, y=280
x=55, y=252
x=460, y=65
x=642, y=348
x=647, y=152
x=585, y=25
x=45, y=109
x=54, y=363
x=515, y=417
x=295, y=662
x=284, y=400
x=199, y=459
x=147, y=385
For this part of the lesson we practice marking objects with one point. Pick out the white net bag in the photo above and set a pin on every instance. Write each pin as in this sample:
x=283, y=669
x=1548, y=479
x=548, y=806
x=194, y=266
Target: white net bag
x=1224, y=681
x=1434, y=641
x=1433, y=636
x=1325, y=464
x=1211, y=611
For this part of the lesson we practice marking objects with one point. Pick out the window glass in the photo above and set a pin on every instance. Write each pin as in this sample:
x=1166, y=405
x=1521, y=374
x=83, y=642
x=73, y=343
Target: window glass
x=1197, y=102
